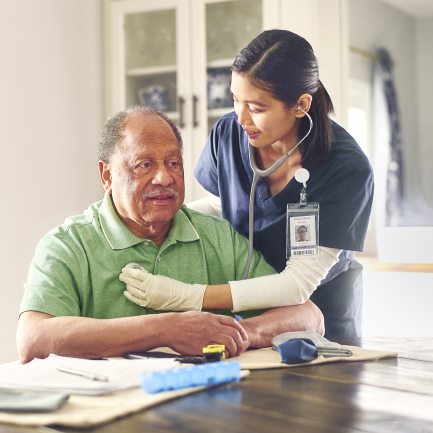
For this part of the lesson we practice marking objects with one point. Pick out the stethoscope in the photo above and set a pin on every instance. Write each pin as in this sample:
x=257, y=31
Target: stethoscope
x=257, y=175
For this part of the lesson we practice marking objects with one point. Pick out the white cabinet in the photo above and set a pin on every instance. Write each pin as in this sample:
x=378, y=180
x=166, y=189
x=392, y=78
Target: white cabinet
x=176, y=55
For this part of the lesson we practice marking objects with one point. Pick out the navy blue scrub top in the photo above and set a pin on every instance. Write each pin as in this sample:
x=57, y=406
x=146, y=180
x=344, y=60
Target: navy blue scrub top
x=343, y=186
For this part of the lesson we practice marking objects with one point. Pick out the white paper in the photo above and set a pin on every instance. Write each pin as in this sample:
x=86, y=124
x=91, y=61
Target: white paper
x=42, y=374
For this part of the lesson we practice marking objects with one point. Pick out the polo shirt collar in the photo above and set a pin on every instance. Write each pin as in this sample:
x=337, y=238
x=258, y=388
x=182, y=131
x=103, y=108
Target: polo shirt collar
x=120, y=237
x=181, y=228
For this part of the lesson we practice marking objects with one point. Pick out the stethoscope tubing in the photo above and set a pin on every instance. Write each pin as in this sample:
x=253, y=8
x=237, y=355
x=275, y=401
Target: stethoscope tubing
x=258, y=173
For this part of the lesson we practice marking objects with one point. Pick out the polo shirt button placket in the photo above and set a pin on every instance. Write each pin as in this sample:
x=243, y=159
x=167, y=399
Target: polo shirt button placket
x=159, y=258
x=146, y=244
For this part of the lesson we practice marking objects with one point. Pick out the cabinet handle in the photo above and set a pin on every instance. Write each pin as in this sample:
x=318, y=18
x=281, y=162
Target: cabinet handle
x=194, y=111
x=181, y=102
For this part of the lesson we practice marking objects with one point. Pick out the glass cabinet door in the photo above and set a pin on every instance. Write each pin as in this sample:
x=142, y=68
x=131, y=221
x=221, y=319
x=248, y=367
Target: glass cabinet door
x=148, y=63
x=220, y=28
x=147, y=66
x=230, y=26
x=150, y=59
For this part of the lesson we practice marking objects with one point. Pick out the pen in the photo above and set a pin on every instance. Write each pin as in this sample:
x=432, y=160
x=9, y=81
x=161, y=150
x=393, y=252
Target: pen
x=93, y=376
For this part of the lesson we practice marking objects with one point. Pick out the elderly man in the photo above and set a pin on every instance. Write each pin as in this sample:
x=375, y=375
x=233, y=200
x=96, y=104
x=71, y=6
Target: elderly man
x=74, y=303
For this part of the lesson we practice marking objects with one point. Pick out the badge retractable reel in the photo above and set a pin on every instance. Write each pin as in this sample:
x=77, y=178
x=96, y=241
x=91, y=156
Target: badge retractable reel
x=302, y=224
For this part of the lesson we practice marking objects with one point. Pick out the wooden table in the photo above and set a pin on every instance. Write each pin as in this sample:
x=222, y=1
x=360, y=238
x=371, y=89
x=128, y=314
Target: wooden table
x=388, y=395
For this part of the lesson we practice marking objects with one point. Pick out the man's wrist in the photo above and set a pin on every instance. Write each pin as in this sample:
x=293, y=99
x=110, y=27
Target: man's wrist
x=252, y=330
x=163, y=330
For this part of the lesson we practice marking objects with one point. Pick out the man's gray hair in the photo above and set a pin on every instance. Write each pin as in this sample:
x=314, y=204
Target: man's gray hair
x=112, y=133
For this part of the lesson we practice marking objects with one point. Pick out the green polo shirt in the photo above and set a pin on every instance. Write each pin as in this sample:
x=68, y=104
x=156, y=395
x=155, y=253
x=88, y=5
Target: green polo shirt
x=75, y=271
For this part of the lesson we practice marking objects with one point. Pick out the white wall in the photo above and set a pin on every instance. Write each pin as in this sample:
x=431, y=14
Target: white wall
x=50, y=117
x=320, y=23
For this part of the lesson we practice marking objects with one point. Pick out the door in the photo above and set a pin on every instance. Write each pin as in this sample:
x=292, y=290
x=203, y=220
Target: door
x=220, y=30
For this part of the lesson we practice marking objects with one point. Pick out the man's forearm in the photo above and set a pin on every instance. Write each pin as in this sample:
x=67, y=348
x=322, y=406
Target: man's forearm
x=262, y=329
x=41, y=334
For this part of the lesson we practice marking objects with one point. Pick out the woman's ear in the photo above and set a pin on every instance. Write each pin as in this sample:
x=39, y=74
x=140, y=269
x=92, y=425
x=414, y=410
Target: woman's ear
x=105, y=176
x=304, y=104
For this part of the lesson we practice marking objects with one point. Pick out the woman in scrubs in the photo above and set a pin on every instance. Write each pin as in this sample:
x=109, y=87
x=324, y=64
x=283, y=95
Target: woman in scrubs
x=275, y=79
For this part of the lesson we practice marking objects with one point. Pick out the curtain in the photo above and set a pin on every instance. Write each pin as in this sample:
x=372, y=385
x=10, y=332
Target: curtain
x=388, y=144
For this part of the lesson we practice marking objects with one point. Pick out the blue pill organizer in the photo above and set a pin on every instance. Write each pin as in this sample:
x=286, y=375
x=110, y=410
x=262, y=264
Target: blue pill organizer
x=198, y=375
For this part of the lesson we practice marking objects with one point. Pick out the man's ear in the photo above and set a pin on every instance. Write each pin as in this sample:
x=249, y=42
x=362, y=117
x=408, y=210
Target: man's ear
x=105, y=175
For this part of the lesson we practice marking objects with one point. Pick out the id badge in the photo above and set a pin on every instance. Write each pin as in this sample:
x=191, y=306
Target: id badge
x=302, y=240
x=302, y=224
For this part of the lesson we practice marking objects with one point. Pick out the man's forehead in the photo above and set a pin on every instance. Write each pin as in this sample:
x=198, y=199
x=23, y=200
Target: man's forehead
x=140, y=124
x=147, y=132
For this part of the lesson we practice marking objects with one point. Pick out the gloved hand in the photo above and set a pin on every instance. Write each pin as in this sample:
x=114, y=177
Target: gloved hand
x=159, y=292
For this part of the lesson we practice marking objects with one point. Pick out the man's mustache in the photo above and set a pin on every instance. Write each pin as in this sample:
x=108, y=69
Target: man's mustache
x=160, y=191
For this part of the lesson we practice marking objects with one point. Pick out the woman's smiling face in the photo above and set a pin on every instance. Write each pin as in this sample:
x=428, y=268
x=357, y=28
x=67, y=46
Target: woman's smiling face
x=265, y=120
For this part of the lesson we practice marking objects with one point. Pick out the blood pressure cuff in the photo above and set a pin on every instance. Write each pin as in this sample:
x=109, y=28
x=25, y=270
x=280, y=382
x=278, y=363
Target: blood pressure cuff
x=297, y=350
x=17, y=401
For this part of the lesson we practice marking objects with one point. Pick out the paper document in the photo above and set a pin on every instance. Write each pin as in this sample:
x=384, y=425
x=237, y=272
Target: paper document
x=43, y=375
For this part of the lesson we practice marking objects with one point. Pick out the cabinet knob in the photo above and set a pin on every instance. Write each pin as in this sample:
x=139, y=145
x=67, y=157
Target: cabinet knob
x=194, y=111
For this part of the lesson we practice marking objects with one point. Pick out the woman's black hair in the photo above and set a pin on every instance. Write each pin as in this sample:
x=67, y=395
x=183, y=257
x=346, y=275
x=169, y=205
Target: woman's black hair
x=283, y=64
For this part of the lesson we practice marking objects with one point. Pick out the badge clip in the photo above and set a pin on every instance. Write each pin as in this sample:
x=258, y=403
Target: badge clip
x=302, y=175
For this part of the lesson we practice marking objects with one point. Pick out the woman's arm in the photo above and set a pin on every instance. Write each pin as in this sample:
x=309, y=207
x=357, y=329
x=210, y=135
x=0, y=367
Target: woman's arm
x=211, y=205
x=293, y=286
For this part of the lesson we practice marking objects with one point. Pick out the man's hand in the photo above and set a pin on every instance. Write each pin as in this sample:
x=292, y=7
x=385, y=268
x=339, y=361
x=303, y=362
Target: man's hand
x=159, y=292
x=262, y=329
x=192, y=331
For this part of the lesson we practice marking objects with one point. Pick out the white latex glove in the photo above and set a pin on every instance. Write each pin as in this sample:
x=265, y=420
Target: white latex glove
x=159, y=292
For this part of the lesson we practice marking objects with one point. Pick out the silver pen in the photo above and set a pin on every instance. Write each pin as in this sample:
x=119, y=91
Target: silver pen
x=93, y=376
